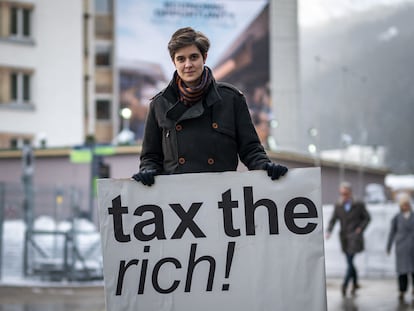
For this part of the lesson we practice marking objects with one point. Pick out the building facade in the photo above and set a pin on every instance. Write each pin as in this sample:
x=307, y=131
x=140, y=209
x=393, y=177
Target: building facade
x=60, y=78
x=41, y=91
x=57, y=76
x=100, y=78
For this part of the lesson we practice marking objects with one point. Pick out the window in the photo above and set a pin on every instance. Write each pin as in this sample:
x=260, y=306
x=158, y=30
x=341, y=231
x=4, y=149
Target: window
x=103, y=109
x=13, y=85
x=19, y=87
x=16, y=85
x=26, y=87
x=103, y=6
x=14, y=143
x=26, y=22
x=19, y=142
x=103, y=55
x=13, y=21
x=20, y=22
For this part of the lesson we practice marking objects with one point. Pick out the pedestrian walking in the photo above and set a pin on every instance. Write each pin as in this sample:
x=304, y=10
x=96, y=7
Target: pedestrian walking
x=354, y=218
x=197, y=124
x=402, y=233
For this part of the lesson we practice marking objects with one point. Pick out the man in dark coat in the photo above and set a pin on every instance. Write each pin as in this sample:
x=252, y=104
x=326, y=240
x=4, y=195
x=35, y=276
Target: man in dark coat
x=354, y=218
x=197, y=124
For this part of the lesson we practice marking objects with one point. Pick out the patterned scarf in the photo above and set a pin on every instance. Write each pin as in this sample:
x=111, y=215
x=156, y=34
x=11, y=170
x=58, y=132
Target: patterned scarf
x=191, y=95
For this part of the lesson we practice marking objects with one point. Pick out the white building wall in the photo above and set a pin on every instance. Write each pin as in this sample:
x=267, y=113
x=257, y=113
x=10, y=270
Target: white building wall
x=57, y=84
x=284, y=72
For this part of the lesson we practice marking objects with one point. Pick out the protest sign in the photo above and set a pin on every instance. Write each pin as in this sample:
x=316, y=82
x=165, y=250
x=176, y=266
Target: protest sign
x=214, y=241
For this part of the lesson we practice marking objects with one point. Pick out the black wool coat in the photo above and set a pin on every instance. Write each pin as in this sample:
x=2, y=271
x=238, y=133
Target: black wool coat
x=209, y=136
x=357, y=217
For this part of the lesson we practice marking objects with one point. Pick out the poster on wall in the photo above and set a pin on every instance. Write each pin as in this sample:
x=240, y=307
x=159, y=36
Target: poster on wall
x=234, y=241
x=239, y=52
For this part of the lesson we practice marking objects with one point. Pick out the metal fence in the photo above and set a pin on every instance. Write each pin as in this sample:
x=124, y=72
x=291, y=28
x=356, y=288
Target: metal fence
x=53, y=201
x=44, y=235
x=62, y=244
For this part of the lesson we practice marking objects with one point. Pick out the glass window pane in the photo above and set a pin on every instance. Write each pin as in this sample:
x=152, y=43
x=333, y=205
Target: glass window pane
x=26, y=87
x=13, y=21
x=26, y=22
x=13, y=86
x=103, y=55
x=14, y=143
x=103, y=6
x=103, y=109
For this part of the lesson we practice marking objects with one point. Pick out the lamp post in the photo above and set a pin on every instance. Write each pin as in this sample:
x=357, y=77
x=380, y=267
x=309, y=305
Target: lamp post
x=28, y=199
x=313, y=147
x=271, y=139
x=346, y=141
x=126, y=115
x=363, y=139
x=126, y=136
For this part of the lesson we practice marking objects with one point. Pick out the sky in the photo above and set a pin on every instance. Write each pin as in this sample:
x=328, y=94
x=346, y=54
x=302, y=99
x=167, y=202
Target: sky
x=145, y=27
x=316, y=12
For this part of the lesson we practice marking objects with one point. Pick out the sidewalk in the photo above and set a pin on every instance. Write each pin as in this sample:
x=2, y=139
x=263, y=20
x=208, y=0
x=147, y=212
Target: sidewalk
x=374, y=295
x=49, y=297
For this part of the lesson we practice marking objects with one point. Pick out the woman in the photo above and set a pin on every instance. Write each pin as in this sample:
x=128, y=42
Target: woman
x=402, y=232
x=197, y=124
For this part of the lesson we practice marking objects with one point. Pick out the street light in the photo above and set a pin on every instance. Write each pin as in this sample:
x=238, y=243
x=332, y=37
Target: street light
x=313, y=146
x=346, y=141
x=313, y=132
x=126, y=115
x=126, y=136
x=312, y=149
x=271, y=139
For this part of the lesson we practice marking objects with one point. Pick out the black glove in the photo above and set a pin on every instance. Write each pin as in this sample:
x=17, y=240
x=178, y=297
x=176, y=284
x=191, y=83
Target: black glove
x=146, y=176
x=274, y=171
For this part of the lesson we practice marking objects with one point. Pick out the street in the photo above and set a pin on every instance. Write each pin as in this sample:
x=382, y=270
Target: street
x=48, y=298
x=375, y=294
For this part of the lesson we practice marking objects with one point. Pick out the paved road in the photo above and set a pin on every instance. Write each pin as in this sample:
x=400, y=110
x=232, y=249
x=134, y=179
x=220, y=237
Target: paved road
x=374, y=295
x=44, y=298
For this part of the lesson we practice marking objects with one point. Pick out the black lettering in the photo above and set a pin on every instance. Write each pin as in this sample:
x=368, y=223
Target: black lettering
x=121, y=274
x=249, y=210
x=187, y=221
x=227, y=205
x=191, y=265
x=156, y=271
x=229, y=261
x=143, y=274
x=157, y=221
x=117, y=210
x=290, y=215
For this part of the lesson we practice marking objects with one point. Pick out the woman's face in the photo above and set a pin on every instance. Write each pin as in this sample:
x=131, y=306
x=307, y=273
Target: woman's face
x=189, y=64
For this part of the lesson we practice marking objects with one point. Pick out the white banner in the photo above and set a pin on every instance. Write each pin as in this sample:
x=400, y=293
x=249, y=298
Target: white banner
x=214, y=241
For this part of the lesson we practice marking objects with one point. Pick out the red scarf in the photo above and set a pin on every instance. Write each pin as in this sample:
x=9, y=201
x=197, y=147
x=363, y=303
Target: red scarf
x=191, y=95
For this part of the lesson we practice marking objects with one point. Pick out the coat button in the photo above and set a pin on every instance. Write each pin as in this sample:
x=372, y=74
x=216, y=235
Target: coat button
x=210, y=161
x=214, y=125
x=178, y=127
x=181, y=160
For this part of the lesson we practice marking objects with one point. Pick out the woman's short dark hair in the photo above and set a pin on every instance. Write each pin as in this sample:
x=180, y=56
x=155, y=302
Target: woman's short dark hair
x=187, y=36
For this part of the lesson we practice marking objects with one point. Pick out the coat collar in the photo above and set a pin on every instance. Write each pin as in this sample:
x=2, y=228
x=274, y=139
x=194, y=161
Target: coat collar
x=177, y=112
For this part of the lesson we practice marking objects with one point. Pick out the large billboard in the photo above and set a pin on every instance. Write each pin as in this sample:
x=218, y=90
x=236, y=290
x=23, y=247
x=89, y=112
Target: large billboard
x=239, y=53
